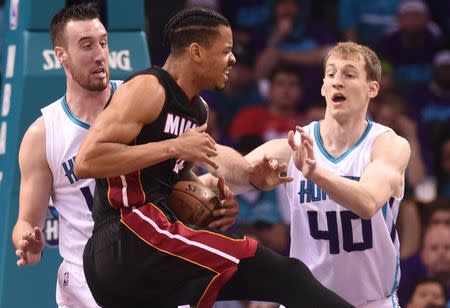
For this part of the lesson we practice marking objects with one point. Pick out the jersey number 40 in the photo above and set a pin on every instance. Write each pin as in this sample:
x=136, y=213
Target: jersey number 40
x=332, y=234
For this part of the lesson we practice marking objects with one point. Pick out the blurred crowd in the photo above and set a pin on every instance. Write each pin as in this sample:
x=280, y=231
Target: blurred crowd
x=275, y=84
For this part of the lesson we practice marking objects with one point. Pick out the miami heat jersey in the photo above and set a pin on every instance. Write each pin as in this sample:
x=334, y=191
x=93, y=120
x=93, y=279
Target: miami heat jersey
x=71, y=196
x=152, y=184
x=356, y=258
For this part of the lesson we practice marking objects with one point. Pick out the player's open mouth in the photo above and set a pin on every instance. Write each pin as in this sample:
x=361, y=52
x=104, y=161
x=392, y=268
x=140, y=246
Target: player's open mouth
x=227, y=73
x=99, y=72
x=338, y=97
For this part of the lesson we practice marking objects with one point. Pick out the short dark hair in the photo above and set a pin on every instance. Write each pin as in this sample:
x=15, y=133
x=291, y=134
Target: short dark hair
x=428, y=280
x=285, y=69
x=193, y=25
x=84, y=11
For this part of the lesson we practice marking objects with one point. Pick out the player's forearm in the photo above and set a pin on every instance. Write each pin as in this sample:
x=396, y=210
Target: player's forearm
x=233, y=167
x=346, y=192
x=113, y=159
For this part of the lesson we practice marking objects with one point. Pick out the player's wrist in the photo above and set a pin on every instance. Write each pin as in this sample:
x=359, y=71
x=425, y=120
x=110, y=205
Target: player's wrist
x=254, y=186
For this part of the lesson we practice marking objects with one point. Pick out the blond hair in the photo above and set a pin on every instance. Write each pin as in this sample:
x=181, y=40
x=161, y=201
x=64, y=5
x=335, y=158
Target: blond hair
x=351, y=50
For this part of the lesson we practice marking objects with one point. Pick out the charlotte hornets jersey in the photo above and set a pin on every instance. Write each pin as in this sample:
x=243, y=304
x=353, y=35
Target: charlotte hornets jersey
x=356, y=258
x=71, y=196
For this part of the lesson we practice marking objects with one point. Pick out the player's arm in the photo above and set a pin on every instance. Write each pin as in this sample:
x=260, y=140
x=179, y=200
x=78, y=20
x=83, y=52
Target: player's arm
x=264, y=167
x=35, y=186
x=108, y=150
x=382, y=179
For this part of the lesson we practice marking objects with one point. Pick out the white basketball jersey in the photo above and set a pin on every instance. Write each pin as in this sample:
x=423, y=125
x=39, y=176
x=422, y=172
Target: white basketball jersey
x=358, y=259
x=72, y=197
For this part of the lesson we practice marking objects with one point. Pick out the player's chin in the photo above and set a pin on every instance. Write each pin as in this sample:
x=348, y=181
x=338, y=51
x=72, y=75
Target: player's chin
x=220, y=87
x=99, y=85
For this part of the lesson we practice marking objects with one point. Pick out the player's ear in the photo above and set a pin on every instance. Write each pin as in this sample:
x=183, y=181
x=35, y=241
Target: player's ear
x=61, y=54
x=195, y=52
x=374, y=86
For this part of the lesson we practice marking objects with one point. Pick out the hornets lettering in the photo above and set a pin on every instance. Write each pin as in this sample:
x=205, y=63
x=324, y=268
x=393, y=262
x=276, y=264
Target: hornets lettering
x=310, y=192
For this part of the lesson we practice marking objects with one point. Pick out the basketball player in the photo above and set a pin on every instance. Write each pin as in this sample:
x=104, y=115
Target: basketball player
x=348, y=182
x=49, y=147
x=139, y=254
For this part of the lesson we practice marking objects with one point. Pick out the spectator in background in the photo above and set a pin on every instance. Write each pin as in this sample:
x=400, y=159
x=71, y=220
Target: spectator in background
x=366, y=22
x=428, y=293
x=390, y=110
x=437, y=212
x=430, y=107
x=432, y=261
x=440, y=13
x=278, y=115
x=442, y=163
x=387, y=82
x=292, y=39
x=410, y=48
x=249, y=14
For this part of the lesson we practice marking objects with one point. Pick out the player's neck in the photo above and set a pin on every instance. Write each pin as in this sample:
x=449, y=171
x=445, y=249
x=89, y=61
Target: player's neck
x=86, y=105
x=338, y=136
x=184, y=77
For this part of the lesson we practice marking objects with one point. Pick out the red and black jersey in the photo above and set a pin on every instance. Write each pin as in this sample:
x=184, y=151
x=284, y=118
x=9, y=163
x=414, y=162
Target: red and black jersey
x=154, y=183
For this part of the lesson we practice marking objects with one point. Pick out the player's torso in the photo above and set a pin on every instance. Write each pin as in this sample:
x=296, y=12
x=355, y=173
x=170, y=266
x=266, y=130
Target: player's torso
x=154, y=183
x=356, y=258
x=71, y=196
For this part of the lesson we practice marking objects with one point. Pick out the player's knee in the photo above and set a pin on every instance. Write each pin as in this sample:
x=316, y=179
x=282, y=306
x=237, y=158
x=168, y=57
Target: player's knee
x=297, y=272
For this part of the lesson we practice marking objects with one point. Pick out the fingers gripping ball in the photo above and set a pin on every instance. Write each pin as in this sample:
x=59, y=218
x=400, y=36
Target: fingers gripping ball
x=193, y=203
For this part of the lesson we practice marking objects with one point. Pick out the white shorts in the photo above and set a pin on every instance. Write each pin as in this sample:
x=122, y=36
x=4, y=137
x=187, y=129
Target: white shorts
x=390, y=302
x=72, y=290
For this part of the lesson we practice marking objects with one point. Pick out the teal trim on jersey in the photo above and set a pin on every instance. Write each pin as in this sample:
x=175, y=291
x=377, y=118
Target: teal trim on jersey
x=322, y=149
x=71, y=116
x=395, y=286
x=384, y=210
x=113, y=87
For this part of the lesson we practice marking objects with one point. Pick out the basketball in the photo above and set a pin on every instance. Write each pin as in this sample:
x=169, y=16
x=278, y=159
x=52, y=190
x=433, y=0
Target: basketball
x=193, y=203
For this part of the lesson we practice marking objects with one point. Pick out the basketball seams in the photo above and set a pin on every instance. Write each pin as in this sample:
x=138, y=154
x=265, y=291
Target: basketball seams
x=194, y=196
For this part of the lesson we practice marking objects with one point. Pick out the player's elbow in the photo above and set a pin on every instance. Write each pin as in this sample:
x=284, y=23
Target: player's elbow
x=369, y=208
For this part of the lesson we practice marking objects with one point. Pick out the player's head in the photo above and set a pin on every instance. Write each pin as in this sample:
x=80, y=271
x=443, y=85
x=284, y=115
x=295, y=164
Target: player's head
x=205, y=37
x=352, y=76
x=81, y=45
x=428, y=292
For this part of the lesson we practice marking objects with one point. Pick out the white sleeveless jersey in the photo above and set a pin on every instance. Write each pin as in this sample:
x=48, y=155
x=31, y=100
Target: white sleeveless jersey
x=72, y=197
x=358, y=259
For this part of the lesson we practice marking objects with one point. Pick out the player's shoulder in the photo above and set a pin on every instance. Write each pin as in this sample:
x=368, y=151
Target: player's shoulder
x=141, y=84
x=34, y=137
x=388, y=137
x=391, y=144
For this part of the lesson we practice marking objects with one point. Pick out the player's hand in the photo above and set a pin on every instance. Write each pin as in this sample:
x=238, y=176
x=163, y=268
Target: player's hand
x=196, y=145
x=303, y=153
x=227, y=213
x=30, y=248
x=268, y=173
